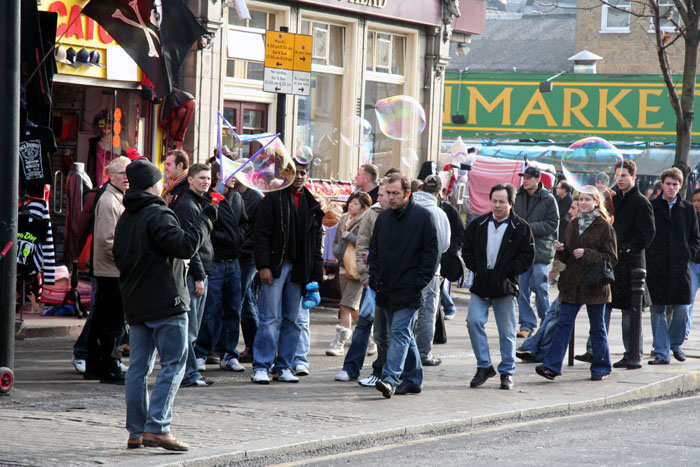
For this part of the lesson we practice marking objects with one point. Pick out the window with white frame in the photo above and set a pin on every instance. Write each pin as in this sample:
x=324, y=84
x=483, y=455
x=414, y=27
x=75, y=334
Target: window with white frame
x=247, y=44
x=616, y=16
x=668, y=15
x=386, y=53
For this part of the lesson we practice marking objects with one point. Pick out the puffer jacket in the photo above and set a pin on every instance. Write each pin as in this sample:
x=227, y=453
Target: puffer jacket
x=541, y=213
x=364, y=234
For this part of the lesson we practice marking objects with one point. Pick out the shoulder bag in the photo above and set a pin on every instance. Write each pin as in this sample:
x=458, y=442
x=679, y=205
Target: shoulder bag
x=350, y=260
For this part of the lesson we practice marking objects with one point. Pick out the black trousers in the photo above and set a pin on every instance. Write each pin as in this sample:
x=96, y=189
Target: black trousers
x=106, y=327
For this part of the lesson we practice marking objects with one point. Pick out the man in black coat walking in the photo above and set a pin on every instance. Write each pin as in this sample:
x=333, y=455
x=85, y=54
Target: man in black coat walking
x=674, y=245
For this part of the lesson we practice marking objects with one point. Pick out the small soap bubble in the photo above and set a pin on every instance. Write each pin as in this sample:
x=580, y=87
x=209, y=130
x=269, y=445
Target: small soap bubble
x=355, y=131
x=304, y=155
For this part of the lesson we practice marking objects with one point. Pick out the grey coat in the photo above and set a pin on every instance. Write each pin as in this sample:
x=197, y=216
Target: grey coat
x=541, y=213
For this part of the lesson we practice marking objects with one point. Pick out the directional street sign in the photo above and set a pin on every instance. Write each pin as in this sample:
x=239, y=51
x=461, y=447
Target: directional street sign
x=287, y=63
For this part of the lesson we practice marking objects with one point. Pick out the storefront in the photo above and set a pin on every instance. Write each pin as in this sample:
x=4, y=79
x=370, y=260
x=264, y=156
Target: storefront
x=363, y=51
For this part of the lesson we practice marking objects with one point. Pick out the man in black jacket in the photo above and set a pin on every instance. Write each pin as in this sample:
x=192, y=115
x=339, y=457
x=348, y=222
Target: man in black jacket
x=675, y=243
x=149, y=250
x=450, y=258
x=498, y=247
x=403, y=257
x=287, y=243
x=187, y=208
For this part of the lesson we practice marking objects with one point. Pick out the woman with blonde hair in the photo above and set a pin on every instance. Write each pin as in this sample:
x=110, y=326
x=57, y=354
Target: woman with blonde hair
x=350, y=286
x=589, y=240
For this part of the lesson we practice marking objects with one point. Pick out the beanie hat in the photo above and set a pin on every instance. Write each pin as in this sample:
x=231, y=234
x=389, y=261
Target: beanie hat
x=142, y=174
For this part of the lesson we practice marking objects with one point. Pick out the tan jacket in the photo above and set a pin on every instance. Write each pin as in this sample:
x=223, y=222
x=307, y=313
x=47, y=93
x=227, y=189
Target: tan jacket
x=364, y=234
x=107, y=212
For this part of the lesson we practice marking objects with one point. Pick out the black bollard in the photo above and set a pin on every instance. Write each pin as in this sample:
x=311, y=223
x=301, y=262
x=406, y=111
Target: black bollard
x=637, y=276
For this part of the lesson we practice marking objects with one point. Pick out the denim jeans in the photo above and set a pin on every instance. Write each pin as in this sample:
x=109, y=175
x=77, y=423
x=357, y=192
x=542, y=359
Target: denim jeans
x=626, y=330
x=381, y=338
x=533, y=280
x=695, y=282
x=425, y=324
x=402, y=357
x=538, y=344
x=304, y=344
x=194, y=319
x=504, y=313
x=169, y=337
x=249, y=309
x=355, y=357
x=448, y=305
x=668, y=336
x=599, y=338
x=278, y=332
x=220, y=326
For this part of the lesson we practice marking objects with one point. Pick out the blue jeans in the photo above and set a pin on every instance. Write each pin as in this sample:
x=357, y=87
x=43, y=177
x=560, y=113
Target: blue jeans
x=448, y=305
x=355, y=357
x=626, y=330
x=249, y=308
x=533, y=280
x=278, y=332
x=538, y=344
x=194, y=318
x=222, y=312
x=668, y=336
x=425, y=324
x=304, y=344
x=169, y=337
x=695, y=282
x=402, y=357
x=504, y=312
x=599, y=338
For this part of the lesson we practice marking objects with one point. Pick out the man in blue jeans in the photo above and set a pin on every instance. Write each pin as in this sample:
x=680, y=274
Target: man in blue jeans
x=537, y=206
x=498, y=248
x=287, y=244
x=399, y=279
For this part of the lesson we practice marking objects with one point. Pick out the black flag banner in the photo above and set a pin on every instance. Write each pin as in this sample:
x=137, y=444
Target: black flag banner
x=156, y=34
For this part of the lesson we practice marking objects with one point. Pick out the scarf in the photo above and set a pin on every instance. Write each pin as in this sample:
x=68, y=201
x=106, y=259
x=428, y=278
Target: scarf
x=585, y=220
x=170, y=186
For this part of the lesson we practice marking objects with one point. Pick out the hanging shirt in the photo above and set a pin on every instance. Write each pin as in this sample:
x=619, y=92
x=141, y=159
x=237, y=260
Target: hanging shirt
x=36, y=143
x=35, y=247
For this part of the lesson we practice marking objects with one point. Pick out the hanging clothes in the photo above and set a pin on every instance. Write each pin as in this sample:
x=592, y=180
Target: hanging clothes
x=36, y=144
x=35, y=246
x=78, y=184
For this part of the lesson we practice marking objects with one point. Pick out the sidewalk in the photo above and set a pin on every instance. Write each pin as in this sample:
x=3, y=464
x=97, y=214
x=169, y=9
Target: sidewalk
x=55, y=417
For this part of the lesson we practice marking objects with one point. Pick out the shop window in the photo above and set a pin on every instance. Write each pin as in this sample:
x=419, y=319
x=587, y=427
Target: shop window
x=386, y=53
x=329, y=42
x=616, y=16
x=385, y=152
x=249, y=35
x=246, y=118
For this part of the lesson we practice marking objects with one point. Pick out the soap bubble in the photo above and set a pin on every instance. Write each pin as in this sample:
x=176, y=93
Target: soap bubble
x=409, y=157
x=304, y=155
x=355, y=131
x=317, y=162
x=400, y=117
x=591, y=162
x=272, y=169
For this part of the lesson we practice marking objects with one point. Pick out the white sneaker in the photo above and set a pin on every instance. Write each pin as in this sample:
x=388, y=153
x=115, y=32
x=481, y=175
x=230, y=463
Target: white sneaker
x=79, y=365
x=260, y=377
x=201, y=364
x=231, y=364
x=122, y=367
x=368, y=382
x=285, y=376
x=301, y=370
x=342, y=376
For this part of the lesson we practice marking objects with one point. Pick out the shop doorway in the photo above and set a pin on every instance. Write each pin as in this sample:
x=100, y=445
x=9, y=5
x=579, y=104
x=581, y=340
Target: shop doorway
x=247, y=118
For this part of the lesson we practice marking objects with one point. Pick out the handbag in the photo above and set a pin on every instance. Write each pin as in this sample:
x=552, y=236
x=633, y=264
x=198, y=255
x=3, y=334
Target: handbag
x=600, y=274
x=350, y=260
x=452, y=266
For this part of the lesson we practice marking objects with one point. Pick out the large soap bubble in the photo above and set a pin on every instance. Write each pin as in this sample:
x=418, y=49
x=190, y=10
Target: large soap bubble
x=355, y=131
x=400, y=117
x=591, y=162
x=272, y=169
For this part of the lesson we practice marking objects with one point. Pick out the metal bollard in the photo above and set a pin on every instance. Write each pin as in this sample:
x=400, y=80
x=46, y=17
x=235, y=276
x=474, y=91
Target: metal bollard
x=637, y=276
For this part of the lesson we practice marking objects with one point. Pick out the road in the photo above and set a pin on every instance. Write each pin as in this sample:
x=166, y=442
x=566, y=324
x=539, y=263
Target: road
x=662, y=432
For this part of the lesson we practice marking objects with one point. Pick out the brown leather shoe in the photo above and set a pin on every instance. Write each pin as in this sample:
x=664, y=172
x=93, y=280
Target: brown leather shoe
x=165, y=441
x=135, y=443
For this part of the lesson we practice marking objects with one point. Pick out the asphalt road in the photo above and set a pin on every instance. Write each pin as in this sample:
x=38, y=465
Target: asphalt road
x=663, y=432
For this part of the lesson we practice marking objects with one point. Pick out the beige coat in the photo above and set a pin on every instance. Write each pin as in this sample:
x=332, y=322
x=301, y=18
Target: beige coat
x=107, y=212
x=364, y=234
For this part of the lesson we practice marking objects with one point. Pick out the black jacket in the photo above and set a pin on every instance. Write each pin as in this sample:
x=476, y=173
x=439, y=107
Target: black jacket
x=149, y=249
x=281, y=231
x=451, y=266
x=563, y=204
x=187, y=209
x=675, y=243
x=251, y=199
x=227, y=236
x=403, y=256
x=515, y=256
x=634, y=227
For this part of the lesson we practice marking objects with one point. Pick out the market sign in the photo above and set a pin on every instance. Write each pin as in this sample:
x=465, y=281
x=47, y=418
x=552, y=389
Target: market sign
x=510, y=106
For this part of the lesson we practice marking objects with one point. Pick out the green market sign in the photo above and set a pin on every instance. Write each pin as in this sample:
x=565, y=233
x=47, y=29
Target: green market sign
x=510, y=106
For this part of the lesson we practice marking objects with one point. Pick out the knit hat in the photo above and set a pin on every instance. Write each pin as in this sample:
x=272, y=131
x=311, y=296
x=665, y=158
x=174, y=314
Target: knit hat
x=142, y=174
x=432, y=184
